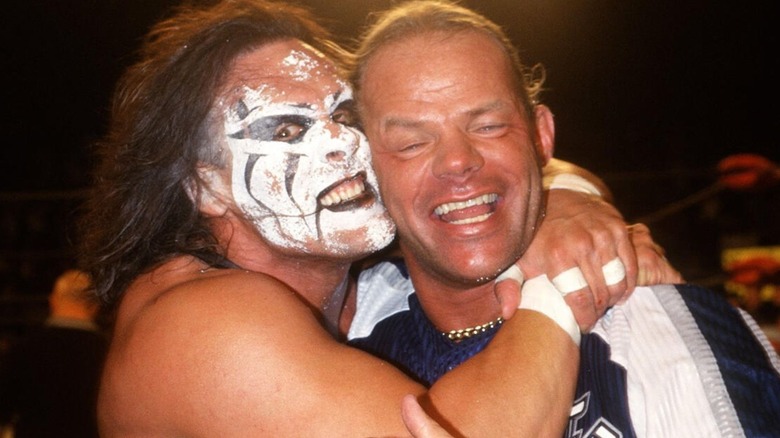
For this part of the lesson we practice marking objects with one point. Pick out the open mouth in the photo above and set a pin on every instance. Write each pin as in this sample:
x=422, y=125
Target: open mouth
x=347, y=194
x=470, y=211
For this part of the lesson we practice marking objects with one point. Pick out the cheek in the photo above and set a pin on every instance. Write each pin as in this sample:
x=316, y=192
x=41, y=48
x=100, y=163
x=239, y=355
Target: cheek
x=263, y=185
x=363, y=146
x=267, y=185
x=399, y=187
x=518, y=162
x=264, y=176
x=380, y=170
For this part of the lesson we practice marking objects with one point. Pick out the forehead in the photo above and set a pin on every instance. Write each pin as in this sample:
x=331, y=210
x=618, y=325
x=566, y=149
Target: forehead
x=289, y=69
x=436, y=66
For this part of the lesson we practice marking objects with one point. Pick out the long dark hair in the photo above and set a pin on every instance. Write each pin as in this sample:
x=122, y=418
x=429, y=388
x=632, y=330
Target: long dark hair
x=139, y=213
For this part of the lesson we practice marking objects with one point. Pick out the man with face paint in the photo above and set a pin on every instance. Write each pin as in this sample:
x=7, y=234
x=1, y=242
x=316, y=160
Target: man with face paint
x=233, y=195
x=458, y=159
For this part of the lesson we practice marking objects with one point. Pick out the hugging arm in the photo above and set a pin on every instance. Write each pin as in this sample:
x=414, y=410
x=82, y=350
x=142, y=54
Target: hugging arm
x=584, y=245
x=261, y=364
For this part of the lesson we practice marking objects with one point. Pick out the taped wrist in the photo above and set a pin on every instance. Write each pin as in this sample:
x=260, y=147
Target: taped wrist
x=540, y=295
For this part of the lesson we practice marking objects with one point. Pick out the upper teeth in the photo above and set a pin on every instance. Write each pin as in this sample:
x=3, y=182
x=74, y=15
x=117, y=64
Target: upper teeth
x=344, y=192
x=479, y=200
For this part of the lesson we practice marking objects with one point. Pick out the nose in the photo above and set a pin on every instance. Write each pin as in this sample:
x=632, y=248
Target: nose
x=457, y=156
x=340, y=143
x=335, y=155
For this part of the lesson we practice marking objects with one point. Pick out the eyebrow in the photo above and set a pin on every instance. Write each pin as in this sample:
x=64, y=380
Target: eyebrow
x=244, y=111
x=490, y=106
x=394, y=122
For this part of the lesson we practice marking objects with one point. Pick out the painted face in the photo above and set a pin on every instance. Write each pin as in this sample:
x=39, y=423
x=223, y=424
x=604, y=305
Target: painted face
x=456, y=157
x=301, y=169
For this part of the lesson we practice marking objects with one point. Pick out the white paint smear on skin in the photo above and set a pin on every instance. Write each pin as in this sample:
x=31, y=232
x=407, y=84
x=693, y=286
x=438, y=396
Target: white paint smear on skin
x=292, y=221
x=303, y=65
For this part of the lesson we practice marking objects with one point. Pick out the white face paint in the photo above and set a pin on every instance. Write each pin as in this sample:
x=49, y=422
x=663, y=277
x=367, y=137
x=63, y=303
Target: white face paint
x=301, y=171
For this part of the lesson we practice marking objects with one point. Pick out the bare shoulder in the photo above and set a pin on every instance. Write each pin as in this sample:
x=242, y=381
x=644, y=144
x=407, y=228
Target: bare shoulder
x=191, y=349
x=235, y=353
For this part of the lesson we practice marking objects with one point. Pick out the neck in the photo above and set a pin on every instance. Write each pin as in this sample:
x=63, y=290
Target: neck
x=320, y=281
x=451, y=305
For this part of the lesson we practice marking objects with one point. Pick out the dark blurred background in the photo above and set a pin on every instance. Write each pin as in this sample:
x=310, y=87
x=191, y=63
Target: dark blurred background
x=650, y=95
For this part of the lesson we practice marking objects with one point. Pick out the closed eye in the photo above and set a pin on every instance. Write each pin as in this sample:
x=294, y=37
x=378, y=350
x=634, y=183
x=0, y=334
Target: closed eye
x=492, y=129
x=411, y=147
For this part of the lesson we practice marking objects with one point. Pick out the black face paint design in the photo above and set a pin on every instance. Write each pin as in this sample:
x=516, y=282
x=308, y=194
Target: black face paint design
x=289, y=128
x=268, y=129
x=289, y=175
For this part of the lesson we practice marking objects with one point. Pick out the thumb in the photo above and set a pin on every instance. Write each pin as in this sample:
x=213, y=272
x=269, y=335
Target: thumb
x=419, y=424
x=507, y=289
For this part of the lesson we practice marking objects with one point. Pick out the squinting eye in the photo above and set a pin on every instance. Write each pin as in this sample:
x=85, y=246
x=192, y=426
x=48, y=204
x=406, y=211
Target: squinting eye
x=489, y=128
x=410, y=147
x=288, y=132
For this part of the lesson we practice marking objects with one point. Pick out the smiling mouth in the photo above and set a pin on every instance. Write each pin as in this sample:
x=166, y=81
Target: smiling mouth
x=470, y=211
x=347, y=194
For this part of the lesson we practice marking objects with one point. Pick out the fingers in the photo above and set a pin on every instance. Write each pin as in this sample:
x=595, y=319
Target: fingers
x=627, y=254
x=653, y=268
x=614, y=271
x=582, y=306
x=569, y=281
x=578, y=237
x=596, y=288
x=610, y=270
x=586, y=306
x=583, y=301
x=658, y=271
x=419, y=424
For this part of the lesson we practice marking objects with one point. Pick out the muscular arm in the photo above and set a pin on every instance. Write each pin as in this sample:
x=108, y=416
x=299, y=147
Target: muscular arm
x=239, y=354
x=530, y=353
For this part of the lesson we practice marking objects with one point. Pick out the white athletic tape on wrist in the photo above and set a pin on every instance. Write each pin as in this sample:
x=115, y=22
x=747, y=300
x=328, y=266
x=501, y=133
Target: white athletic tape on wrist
x=540, y=295
x=569, y=181
x=614, y=271
x=569, y=281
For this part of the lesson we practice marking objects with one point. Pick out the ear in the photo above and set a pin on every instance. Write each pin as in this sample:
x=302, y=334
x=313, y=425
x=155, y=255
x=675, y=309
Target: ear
x=211, y=193
x=545, y=128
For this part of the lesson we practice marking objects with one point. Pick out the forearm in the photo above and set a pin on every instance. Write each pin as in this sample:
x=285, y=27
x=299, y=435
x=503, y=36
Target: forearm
x=522, y=384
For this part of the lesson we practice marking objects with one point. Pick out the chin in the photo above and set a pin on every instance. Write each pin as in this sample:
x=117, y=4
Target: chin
x=478, y=271
x=466, y=277
x=359, y=242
